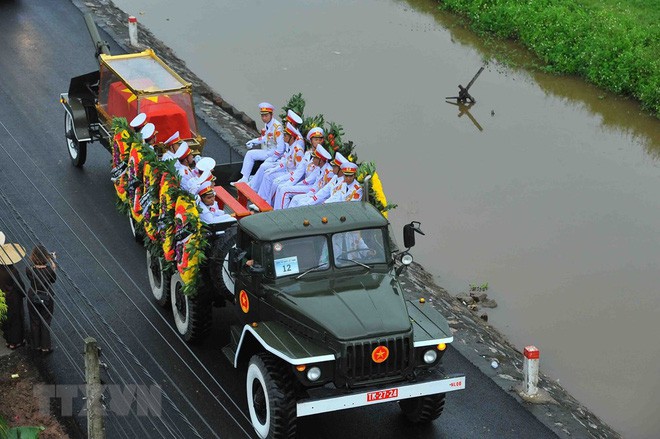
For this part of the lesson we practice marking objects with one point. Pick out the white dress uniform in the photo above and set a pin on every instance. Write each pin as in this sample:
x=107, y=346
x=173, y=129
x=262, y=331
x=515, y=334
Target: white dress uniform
x=285, y=165
x=271, y=136
x=213, y=214
x=302, y=180
x=187, y=175
x=324, y=186
x=274, y=162
x=347, y=192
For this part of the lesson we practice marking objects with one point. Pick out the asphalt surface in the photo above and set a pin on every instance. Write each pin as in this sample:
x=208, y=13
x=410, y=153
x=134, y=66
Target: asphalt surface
x=103, y=289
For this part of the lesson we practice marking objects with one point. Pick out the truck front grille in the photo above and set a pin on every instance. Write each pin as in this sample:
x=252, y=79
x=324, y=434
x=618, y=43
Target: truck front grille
x=358, y=366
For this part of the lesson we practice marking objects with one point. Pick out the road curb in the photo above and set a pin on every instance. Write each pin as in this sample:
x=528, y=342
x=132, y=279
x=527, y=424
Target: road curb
x=477, y=341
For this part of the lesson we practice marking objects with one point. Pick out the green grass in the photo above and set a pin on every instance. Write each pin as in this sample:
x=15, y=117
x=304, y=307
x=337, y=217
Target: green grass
x=613, y=44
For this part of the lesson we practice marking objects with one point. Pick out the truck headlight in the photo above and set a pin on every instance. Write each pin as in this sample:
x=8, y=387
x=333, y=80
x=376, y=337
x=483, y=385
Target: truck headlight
x=406, y=259
x=314, y=373
x=430, y=356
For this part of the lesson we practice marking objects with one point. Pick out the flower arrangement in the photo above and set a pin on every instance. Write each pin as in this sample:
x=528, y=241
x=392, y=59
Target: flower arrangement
x=376, y=193
x=149, y=189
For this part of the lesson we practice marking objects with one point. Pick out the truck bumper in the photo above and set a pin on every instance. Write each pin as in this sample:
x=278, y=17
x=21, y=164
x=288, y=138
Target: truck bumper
x=313, y=406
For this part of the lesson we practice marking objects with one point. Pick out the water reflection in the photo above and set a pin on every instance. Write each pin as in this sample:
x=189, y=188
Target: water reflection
x=464, y=109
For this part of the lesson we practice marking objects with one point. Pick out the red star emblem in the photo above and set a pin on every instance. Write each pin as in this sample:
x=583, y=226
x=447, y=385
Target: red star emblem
x=244, y=301
x=380, y=354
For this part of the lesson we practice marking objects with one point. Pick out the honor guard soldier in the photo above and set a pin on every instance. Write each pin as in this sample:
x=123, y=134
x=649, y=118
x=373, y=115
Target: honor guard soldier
x=303, y=178
x=148, y=133
x=315, y=138
x=138, y=122
x=350, y=190
x=268, y=156
x=323, y=190
x=170, y=146
x=184, y=159
x=283, y=166
x=210, y=212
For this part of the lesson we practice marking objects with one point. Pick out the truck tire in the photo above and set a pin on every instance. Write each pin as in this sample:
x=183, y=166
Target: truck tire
x=192, y=315
x=158, y=280
x=77, y=150
x=221, y=279
x=423, y=408
x=270, y=397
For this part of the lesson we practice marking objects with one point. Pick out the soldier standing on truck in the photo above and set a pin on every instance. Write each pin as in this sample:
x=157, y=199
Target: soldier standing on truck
x=271, y=138
x=170, y=145
x=184, y=160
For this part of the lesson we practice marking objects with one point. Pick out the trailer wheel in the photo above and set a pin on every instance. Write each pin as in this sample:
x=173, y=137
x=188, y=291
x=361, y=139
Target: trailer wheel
x=270, y=397
x=192, y=315
x=221, y=279
x=158, y=280
x=77, y=150
x=423, y=408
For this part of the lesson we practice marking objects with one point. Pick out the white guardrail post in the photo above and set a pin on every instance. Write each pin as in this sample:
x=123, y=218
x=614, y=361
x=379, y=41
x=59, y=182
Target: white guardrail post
x=530, y=371
x=132, y=31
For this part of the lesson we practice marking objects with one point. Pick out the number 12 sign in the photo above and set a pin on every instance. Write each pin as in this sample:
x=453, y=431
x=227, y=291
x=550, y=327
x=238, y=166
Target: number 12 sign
x=286, y=266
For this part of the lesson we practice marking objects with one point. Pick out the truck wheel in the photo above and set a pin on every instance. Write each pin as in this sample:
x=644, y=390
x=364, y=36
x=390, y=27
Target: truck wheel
x=192, y=315
x=77, y=150
x=158, y=280
x=270, y=397
x=221, y=279
x=423, y=408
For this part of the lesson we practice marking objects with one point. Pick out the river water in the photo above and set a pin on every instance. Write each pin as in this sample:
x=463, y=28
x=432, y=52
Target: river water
x=546, y=188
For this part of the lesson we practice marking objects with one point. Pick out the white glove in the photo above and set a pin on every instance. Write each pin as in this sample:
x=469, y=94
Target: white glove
x=250, y=143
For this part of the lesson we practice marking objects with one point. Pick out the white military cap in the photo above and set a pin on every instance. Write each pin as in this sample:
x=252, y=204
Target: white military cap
x=138, y=121
x=349, y=168
x=148, y=132
x=205, y=187
x=314, y=132
x=205, y=164
x=174, y=138
x=339, y=159
x=265, y=107
x=182, y=151
x=321, y=153
x=292, y=117
x=292, y=130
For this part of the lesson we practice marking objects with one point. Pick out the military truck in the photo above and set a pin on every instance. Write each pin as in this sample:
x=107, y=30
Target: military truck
x=321, y=321
x=324, y=324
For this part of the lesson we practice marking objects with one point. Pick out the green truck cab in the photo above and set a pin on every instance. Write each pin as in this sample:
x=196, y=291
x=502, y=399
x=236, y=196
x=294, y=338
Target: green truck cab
x=324, y=323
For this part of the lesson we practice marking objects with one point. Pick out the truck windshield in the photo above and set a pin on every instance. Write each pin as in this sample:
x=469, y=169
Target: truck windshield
x=358, y=247
x=294, y=256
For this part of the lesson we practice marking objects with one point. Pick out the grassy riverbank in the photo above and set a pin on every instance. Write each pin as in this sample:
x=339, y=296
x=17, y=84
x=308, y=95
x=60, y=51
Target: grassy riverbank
x=613, y=44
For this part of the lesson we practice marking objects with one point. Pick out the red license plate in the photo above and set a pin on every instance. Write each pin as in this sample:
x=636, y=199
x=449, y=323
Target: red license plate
x=382, y=394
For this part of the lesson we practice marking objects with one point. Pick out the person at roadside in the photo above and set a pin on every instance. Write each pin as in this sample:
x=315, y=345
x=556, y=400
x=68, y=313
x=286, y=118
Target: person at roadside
x=325, y=188
x=283, y=166
x=350, y=190
x=302, y=179
x=271, y=139
x=14, y=290
x=210, y=212
x=41, y=304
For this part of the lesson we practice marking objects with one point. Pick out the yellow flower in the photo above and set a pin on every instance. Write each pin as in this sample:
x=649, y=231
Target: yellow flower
x=125, y=135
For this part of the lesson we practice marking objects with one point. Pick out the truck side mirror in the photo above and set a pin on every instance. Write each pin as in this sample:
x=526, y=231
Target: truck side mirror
x=409, y=231
x=235, y=257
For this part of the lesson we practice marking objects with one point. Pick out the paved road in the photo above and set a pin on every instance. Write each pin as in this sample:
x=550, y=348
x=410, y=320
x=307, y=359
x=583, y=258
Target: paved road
x=103, y=289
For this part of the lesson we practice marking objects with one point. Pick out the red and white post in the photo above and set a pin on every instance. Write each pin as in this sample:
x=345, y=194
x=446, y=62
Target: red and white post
x=530, y=371
x=132, y=31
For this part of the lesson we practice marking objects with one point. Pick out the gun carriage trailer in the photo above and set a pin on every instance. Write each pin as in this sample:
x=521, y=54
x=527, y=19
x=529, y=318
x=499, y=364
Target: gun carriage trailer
x=320, y=320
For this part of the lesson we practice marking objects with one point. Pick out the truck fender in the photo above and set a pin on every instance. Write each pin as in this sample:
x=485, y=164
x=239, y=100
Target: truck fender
x=279, y=341
x=78, y=114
